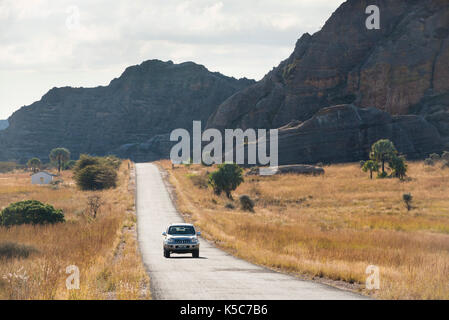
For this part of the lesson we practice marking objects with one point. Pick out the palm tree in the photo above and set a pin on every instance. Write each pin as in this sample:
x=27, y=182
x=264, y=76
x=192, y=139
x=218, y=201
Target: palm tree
x=34, y=164
x=370, y=166
x=399, y=166
x=59, y=155
x=382, y=151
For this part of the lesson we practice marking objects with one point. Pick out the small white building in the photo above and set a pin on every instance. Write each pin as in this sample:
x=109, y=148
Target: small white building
x=42, y=177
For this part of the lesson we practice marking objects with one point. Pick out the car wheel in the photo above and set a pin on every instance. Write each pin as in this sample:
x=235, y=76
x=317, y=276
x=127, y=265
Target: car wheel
x=196, y=254
x=166, y=253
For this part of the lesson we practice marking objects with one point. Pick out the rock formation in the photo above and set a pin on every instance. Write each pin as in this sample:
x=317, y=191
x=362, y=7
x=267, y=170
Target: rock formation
x=4, y=124
x=345, y=132
x=146, y=101
x=402, y=69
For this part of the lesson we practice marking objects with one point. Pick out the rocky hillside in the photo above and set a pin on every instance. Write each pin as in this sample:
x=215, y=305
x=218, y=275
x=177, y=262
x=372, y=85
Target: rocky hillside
x=401, y=69
x=344, y=133
x=147, y=100
x=4, y=124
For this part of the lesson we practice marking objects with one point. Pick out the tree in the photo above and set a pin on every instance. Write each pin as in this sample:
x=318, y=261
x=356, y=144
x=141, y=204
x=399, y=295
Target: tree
x=429, y=162
x=96, y=177
x=94, y=204
x=34, y=164
x=370, y=166
x=445, y=156
x=84, y=161
x=87, y=160
x=434, y=156
x=69, y=165
x=226, y=179
x=398, y=165
x=30, y=212
x=59, y=155
x=382, y=151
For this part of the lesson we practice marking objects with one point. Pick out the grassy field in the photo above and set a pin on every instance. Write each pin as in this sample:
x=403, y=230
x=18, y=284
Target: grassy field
x=332, y=226
x=104, y=249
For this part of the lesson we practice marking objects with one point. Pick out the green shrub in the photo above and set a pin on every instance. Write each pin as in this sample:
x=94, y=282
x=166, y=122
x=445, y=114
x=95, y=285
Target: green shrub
x=398, y=165
x=112, y=161
x=229, y=205
x=434, y=156
x=429, y=162
x=84, y=161
x=9, y=250
x=407, y=198
x=30, y=212
x=69, y=165
x=246, y=203
x=445, y=156
x=362, y=163
x=96, y=177
x=226, y=179
x=96, y=173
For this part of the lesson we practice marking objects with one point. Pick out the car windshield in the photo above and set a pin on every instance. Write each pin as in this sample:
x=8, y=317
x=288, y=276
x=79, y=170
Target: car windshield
x=173, y=230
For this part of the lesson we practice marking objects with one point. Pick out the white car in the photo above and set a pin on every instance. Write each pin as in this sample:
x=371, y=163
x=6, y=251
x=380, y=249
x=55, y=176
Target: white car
x=181, y=238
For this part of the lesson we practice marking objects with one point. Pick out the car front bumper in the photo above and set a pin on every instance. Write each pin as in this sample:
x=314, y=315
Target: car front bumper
x=182, y=248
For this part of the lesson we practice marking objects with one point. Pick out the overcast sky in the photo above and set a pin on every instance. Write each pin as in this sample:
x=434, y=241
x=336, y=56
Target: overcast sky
x=45, y=44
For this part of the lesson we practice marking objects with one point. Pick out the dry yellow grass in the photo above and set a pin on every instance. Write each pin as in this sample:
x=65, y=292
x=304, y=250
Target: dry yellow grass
x=104, y=249
x=334, y=226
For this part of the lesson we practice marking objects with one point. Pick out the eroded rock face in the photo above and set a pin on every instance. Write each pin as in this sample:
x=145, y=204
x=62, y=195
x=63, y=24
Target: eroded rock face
x=4, y=124
x=345, y=133
x=147, y=100
x=403, y=68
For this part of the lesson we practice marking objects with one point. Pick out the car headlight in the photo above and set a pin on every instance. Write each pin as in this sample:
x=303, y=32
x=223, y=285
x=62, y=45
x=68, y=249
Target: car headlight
x=170, y=241
x=194, y=240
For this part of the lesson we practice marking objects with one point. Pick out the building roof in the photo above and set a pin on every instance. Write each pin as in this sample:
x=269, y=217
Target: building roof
x=50, y=174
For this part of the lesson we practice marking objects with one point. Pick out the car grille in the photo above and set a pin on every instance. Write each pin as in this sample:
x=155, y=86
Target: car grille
x=182, y=241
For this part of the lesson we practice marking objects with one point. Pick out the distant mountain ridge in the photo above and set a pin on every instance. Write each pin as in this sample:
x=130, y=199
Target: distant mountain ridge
x=147, y=100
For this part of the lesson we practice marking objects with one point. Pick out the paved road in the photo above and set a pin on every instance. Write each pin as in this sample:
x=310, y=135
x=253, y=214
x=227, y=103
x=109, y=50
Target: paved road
x=215, y=275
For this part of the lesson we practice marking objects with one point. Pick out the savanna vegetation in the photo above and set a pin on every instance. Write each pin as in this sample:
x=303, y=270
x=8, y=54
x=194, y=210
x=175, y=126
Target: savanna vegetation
x=384, y=156
x=96, y=173
x=333, y=226
x=59, y=156
x=93, y=230
x=30, y=212
x=8, y=166
x=34, y=164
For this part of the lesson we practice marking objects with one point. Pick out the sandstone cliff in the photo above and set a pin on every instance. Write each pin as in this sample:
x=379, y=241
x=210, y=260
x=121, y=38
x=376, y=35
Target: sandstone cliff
x=345, y=132
x=145, y=101
x=401, y=69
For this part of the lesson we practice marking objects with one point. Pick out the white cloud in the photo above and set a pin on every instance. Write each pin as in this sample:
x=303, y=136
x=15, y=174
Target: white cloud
x=46, y=43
